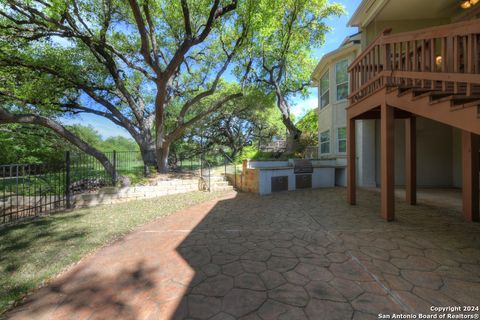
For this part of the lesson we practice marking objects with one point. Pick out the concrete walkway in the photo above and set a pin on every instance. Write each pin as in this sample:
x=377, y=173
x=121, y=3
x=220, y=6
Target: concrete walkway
x=300, y=255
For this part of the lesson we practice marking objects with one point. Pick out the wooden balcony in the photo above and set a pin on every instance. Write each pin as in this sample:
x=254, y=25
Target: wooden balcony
x=432, y=73
x=441, y=62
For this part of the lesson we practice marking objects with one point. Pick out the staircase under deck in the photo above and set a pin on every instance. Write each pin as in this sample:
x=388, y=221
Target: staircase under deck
x=432, y=73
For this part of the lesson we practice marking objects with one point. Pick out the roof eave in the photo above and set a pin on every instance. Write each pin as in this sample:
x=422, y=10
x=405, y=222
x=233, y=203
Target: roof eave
x=366, y=12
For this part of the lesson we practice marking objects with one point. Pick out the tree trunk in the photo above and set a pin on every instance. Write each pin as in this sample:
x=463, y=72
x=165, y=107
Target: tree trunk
x=162, y=147
x=294, y=134
x=149, y=157
x=293, y=140
x=162, y=156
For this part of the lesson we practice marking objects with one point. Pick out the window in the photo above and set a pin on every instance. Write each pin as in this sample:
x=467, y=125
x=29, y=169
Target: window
x=325, y=142
x=342, y=140
x=341, y=76
x=324, y=90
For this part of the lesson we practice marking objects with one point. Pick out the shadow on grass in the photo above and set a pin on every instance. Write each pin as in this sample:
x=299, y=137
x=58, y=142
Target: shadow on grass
x=33, y=250
x=17, y=240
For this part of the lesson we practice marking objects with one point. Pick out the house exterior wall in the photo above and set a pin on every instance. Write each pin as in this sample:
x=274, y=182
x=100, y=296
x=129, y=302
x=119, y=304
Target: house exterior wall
x=438, y=154
x=377, y=27
x=333, y=115
x=456, y=158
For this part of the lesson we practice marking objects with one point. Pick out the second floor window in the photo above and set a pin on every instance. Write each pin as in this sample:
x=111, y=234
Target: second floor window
x=324, y=90
x=341, y=76
x=325, y=142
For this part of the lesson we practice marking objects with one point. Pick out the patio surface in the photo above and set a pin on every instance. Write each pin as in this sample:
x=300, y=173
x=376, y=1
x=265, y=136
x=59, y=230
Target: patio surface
x=299, y=255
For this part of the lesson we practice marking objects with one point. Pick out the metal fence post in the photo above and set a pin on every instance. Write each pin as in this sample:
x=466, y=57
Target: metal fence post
x=67, y=180
x=114, y=178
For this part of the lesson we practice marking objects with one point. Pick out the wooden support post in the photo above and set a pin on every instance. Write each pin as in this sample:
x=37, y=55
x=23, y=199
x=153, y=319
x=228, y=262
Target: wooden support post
x=470, y=167
x=387, y=162
x=351, y=163
x=410, y=161
x=470, y=61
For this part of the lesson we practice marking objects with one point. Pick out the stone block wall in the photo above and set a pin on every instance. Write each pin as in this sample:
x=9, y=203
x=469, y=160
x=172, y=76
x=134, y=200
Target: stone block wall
x=247, y=181
x=109, y=195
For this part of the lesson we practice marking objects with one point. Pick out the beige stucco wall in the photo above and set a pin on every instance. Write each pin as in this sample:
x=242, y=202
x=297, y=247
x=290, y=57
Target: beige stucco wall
x=376, y=27
x=435, y=158
x=333, y=116
x=456, y=158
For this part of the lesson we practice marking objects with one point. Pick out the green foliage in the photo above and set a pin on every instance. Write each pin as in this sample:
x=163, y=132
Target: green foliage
x=254, y=154
x=33, y=144
x=244, y=122
x=88, y=56
x=118, y=144
x=59, y=59
x=249, y=152
x=285, y=35
x=89, y=134
x=308, y=124
x=29, y=144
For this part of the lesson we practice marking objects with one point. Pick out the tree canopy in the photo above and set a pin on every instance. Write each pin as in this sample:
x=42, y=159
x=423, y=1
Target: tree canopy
x=155, y=68
x=284, y=36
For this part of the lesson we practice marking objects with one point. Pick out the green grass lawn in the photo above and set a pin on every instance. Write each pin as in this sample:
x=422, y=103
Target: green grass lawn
x=33, y=251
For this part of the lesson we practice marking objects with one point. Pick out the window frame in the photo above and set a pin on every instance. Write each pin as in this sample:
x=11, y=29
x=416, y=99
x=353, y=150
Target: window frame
x=327, y=142
x=347, y=82
x=326, y=75
x=337, y=136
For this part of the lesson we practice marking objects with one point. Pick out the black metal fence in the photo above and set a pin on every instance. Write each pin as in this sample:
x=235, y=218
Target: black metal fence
x=29, y=190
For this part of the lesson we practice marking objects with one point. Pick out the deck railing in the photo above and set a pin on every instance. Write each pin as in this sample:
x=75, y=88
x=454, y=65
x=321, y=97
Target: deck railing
x=444, y=58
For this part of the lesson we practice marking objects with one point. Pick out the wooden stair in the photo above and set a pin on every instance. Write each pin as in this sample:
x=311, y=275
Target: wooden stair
x=456, y=110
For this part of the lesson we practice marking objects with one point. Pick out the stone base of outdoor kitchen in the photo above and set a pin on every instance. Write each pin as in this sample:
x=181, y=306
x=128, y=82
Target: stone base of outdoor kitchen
x=266, y=177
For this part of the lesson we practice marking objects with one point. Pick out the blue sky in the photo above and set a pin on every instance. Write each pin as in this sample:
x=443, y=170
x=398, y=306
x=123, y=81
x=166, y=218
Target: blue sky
x=300, y=107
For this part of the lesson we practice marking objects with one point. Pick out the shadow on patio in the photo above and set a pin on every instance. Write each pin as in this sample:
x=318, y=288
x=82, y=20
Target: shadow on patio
x=310, y=255
x=299, y=255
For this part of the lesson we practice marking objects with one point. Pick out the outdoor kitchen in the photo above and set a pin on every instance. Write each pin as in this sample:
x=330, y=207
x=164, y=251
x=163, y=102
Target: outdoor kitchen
x=266, y=177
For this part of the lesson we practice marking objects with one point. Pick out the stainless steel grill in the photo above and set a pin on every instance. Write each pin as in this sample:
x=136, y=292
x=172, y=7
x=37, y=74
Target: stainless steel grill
x=302, y=166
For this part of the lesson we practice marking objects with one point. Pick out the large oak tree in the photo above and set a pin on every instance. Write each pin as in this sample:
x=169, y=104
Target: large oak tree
x=128, y=61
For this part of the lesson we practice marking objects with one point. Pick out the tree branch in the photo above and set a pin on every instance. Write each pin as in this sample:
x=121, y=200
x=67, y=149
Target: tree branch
x=145, y=45
x=215, y=13
x=213, y=87
x=179, y=129
x=186, y=19
x=7, y=117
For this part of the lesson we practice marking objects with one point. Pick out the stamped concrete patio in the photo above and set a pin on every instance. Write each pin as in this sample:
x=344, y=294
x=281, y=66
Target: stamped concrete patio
x=301, y=255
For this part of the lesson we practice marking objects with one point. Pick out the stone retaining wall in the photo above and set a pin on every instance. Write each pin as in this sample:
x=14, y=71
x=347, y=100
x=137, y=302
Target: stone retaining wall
x=109, y=195
x=247, y=181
